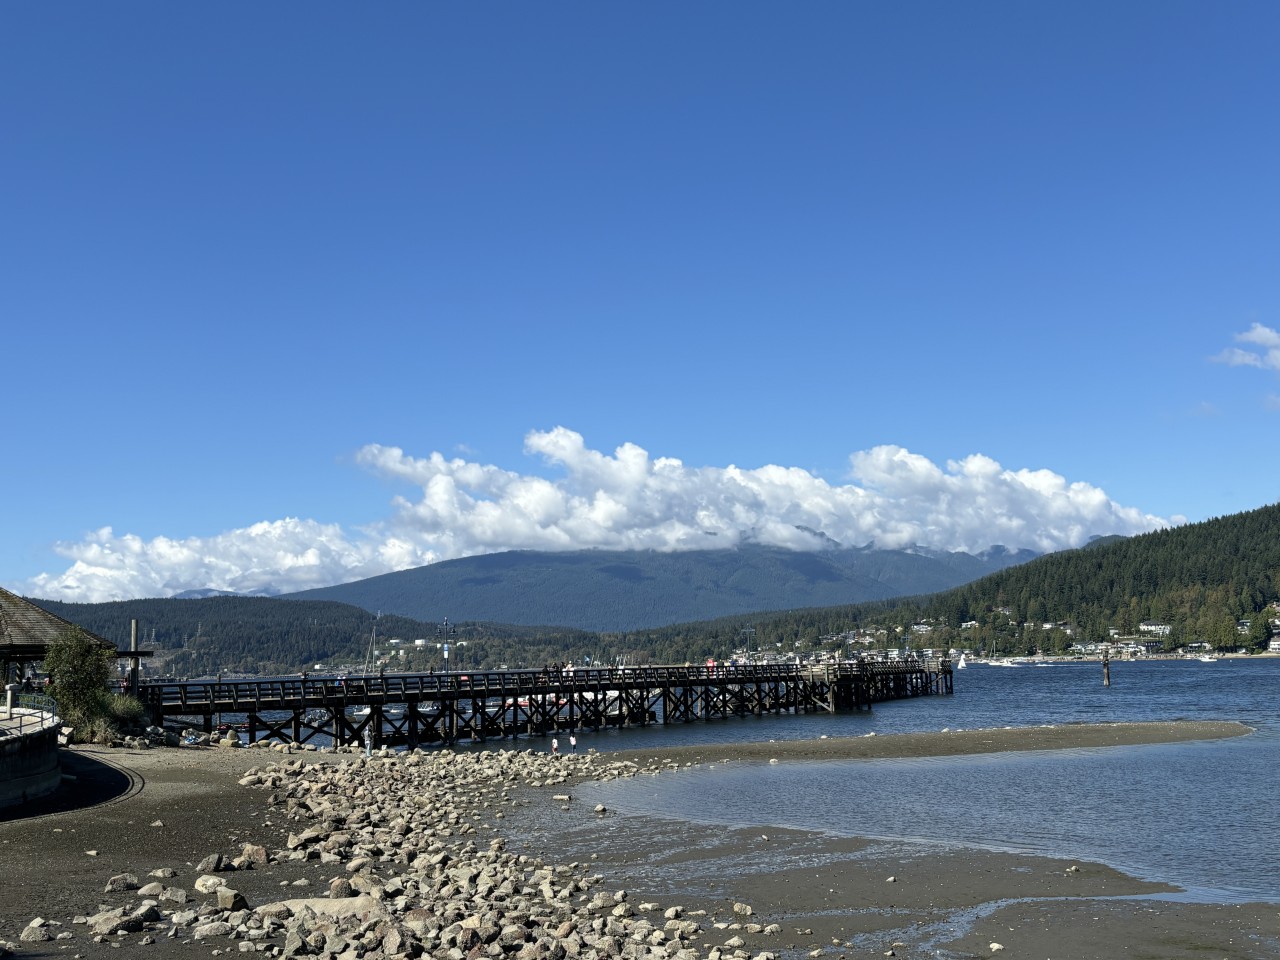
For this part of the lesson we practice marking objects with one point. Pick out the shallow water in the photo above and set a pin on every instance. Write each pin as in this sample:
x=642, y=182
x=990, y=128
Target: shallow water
x=1199, y=815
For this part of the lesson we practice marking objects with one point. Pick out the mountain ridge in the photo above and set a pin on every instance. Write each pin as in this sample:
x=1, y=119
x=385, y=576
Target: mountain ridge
x=616, y=591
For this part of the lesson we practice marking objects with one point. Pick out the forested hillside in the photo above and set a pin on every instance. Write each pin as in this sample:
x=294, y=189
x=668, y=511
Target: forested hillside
x=634, y=590
x=1200, y=579
x=270, y=636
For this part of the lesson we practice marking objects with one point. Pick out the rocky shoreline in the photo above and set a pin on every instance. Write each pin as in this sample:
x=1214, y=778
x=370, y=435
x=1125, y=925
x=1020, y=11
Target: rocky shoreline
x=408, y=855
x=419, y=868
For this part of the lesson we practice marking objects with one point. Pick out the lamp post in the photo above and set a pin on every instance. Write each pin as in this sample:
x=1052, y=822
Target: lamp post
x=444, y=632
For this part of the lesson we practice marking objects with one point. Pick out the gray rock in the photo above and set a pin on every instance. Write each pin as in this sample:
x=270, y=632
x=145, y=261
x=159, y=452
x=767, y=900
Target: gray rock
x=254, y=853
x=208, y=884
x=229, y=899
x=211, y=864
x=217, y=928
x=113, y=922
x=37, y=931
x=146, y=912
x=121, y=882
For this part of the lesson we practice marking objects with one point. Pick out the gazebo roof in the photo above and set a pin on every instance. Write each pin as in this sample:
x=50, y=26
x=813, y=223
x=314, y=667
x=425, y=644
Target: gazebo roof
x=26, y=631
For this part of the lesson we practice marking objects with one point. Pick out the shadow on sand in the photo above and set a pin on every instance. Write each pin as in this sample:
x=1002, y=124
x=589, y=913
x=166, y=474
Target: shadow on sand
x=86, y=782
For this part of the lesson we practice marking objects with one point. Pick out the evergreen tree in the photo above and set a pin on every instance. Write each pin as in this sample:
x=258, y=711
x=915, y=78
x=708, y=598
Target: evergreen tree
x=1260, y=630
x=79, y=669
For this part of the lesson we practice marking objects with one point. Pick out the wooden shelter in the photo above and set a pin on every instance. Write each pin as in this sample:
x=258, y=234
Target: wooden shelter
x=27, y=631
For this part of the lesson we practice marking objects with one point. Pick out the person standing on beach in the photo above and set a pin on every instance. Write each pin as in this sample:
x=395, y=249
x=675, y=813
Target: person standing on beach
x=573, y=743
x=555, y=745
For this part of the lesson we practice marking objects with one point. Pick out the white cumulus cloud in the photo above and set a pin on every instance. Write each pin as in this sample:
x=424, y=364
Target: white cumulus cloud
x=626, y=500
x=270, y=556
x=1264, y=350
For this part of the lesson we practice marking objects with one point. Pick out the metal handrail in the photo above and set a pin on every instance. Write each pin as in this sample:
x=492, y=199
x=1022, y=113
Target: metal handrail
x=31, y=713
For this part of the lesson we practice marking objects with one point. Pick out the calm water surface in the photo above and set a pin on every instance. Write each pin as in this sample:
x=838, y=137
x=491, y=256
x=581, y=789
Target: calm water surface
x=1200, y=815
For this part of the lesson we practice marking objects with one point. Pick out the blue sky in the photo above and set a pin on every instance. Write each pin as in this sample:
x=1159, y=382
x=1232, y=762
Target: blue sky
x=948, y=274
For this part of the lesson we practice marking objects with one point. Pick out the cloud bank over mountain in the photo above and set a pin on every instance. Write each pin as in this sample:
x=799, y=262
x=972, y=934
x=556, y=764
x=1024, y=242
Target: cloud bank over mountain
x=624, y=501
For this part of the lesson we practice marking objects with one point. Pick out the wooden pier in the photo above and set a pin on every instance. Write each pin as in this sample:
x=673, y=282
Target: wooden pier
x=399, y=709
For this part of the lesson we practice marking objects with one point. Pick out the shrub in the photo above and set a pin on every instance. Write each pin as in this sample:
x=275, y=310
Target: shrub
x=125, y=711
x=79, y=669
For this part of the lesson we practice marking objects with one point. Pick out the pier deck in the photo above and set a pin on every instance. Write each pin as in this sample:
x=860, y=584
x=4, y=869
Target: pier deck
x=425, y=708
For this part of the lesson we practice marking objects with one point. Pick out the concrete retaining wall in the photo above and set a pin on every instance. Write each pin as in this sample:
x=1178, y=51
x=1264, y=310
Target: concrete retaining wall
x=29, y=765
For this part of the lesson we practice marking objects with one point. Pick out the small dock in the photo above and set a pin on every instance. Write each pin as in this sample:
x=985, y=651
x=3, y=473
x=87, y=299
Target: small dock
x=401, y=709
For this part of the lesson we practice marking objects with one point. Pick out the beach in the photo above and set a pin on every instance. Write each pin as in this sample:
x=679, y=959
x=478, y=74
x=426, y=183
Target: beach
x=850, y=897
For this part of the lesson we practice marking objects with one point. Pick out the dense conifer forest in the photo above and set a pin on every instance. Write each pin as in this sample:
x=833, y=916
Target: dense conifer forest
x=1203, y=580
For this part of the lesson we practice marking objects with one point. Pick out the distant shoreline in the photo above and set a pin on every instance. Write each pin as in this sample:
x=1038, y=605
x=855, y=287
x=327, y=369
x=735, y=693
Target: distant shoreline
x=1097, y=658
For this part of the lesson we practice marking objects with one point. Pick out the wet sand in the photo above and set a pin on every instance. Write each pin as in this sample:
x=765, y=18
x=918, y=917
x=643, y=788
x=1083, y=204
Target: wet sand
x=949, y=903
x=948, y=743
x=173, y=807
